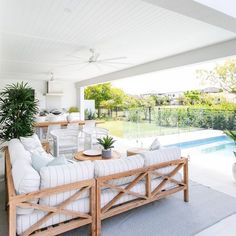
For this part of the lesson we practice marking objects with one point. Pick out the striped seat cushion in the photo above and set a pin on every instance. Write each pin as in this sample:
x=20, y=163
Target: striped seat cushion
x=109, y=167
x=52, y=176
x=162, y=155
x=23, y=222
x=83, y=205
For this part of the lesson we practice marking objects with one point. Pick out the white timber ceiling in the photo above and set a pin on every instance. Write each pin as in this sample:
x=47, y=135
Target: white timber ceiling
x=43, y=36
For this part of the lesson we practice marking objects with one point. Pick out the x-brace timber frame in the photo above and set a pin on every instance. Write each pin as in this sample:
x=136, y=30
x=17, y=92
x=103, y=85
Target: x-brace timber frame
x=142, y=174
x=77, y=218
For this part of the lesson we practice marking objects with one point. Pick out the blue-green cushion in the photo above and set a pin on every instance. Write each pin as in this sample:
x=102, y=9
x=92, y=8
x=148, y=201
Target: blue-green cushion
x=39, y=161
x=58, y=161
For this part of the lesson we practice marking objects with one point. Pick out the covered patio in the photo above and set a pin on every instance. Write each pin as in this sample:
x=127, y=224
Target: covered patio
x=74, y=44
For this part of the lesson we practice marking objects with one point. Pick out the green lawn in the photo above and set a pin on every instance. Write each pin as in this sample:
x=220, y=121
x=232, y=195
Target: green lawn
x=126, y=129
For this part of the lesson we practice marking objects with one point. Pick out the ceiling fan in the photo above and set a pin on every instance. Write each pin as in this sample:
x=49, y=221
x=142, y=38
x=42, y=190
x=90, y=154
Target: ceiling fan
x=94, y=59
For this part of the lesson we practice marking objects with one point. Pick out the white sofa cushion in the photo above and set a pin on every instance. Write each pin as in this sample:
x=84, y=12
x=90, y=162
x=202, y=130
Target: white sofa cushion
x=23, y=222
x=33, y=145
x=161, y=155
x=52, y=176
x=114, y=166
x=26, y=179
x=17, y=151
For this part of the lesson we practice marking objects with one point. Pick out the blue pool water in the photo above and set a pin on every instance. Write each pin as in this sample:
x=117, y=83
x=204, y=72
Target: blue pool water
x=209, y=145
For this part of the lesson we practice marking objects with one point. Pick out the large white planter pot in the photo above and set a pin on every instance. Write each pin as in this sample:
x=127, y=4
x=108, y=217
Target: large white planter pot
x=69, y=118
x=234, y=170
x=73, y=116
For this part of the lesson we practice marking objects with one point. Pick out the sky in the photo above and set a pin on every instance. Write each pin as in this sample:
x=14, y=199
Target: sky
x=172, y=80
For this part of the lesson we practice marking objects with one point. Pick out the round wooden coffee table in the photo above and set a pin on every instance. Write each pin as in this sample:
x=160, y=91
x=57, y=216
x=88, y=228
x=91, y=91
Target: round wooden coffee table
x=135, y=151
x=79, y=156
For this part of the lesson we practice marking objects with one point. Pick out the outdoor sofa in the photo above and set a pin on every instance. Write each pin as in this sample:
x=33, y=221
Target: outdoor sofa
x=64, y=197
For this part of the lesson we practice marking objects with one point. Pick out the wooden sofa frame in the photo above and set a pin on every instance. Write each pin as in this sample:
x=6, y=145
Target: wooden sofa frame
x=96, y=214
x=79, y=218
x=142, y=174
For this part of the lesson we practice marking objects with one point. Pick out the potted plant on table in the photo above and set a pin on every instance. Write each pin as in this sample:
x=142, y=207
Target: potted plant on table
x=107, y=144
x=232, y=135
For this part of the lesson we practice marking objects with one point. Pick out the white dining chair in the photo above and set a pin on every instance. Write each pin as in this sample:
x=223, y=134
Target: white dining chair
x=65, y=141
x=73, y=126
x=92, y=134
x=50, y=129
x=89, y=124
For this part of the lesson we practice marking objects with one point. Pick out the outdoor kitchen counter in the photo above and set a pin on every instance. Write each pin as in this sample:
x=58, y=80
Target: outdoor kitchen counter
x=42, y=127
x=63, y=123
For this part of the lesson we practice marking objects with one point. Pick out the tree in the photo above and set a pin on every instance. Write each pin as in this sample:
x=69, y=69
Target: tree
x=222, y=75
x=161, y=100
x=130, y=102
x=118, y=97
x=208, y=100
x=108, y=104
x=147, y=103
x=192, y=97
x=99, y=93
x=105, y=96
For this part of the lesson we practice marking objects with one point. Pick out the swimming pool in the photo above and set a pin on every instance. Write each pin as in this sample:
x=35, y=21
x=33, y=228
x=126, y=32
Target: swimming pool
x=220, y=144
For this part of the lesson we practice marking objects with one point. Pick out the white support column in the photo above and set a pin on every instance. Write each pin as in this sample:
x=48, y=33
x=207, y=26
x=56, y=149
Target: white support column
x=80, y=96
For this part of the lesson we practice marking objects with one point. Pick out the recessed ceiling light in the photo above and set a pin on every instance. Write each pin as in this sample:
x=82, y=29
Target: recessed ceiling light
x=67, y=10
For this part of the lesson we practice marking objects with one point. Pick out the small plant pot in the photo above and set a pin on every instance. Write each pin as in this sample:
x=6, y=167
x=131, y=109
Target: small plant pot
x=234, y=170
x=106, y=153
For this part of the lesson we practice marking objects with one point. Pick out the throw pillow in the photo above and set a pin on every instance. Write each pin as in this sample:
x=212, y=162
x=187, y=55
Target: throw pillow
x=39, y=161
x=58, y=161
x=155, y=145
x=32, y=144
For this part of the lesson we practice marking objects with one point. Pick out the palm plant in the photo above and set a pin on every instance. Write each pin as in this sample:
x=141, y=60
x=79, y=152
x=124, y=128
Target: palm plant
x=17, y=111
x=106, y=142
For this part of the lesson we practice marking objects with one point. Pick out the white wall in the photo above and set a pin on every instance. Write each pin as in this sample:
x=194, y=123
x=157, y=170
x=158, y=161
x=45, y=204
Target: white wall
x=65, y=101
x=54, y=102
x=89, y=105
x=69, y=92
